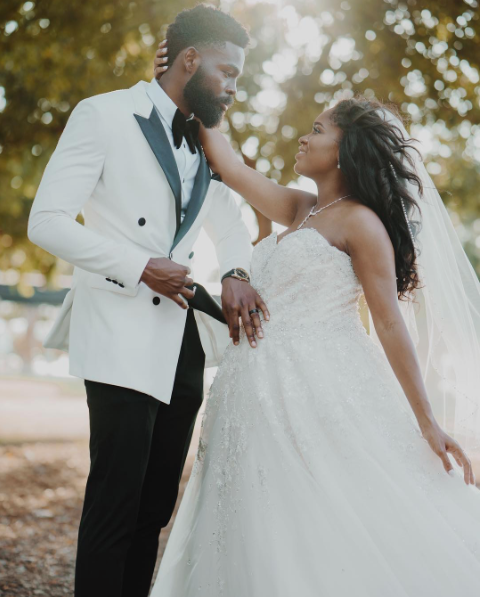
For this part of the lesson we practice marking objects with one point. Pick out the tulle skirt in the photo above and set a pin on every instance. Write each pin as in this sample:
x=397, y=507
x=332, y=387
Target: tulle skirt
x=312, y=479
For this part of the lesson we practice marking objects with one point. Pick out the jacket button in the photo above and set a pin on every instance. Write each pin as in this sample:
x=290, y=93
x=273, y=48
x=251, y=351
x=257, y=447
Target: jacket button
x=115, y=281
x=108, y=280
x=191, y=255
x=121, y=285
x=156, y=300
x=141, y=221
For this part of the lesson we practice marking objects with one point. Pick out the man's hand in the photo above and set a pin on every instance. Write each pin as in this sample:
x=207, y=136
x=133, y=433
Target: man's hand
x=238, y=299
x=169, y=279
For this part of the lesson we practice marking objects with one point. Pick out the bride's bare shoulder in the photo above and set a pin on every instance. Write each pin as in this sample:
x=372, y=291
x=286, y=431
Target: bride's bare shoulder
x=363, y=218
x=363, y=226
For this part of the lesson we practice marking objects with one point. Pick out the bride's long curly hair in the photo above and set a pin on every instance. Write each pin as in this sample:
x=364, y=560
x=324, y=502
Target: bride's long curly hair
x=375, y=162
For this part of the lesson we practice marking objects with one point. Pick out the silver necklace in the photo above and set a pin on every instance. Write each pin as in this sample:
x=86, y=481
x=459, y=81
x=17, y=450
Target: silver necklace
x=313, y=212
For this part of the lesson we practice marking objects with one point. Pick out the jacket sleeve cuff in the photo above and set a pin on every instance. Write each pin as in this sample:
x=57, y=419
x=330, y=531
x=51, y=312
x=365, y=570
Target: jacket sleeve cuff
x=133, y=266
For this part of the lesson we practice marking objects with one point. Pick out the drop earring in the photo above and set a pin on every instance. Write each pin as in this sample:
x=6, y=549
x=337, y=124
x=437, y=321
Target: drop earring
x=338, y=165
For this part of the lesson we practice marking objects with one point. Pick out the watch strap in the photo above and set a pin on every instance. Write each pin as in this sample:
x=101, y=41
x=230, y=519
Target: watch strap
x=238, y=273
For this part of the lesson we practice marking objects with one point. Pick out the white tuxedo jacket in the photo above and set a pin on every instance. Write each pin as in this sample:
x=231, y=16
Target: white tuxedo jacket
x=114, y=163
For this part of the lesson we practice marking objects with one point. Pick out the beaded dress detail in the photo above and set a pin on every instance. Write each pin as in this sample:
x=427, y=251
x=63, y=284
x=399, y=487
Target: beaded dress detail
x=312, y=478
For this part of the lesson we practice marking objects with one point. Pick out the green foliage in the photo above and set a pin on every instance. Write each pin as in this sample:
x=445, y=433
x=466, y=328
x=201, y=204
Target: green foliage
x=304, y=56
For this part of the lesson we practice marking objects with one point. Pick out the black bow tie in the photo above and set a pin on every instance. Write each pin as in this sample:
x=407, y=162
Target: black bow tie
x=189, y=129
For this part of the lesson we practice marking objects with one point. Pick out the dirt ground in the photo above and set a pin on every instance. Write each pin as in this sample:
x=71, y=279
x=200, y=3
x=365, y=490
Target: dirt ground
x=41, y=494
x=44, y=462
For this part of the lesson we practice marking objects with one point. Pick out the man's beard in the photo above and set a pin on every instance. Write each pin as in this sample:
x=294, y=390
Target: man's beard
x=202, y=101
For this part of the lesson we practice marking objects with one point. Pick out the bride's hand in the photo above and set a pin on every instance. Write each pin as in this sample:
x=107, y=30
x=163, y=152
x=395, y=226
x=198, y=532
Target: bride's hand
x=220, y=155
x=442, y=444
x=160, y=60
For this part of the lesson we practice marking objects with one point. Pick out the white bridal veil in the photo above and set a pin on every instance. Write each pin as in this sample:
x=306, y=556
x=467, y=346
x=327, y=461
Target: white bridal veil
x=443, y=315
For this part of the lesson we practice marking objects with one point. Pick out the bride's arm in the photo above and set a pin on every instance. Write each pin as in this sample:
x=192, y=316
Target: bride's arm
x=276, y=202
x=373, y=259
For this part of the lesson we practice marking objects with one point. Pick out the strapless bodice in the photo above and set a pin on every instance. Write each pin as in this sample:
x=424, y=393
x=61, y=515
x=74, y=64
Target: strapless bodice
x=306, y=281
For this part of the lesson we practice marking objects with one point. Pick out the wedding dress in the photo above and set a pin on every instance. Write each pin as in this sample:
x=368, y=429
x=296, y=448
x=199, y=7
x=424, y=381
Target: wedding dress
x=311, y=478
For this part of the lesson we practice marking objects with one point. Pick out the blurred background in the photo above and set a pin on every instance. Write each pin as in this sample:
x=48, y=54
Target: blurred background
x=304, y=55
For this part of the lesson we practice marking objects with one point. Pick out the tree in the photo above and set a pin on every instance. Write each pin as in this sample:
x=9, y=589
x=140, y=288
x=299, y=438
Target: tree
x=303, y=57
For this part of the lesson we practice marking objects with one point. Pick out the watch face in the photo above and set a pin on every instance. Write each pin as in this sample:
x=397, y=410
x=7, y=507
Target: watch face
x=238, y=274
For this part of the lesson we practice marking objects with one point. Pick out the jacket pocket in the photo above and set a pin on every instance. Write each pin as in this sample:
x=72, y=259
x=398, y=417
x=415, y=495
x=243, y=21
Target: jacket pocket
x=103, y=283
x=58, y=337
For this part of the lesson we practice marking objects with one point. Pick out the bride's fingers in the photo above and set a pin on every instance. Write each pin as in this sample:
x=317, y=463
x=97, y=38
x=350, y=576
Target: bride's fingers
x=463, y=461
x=442, y=454
x=468, y=472
x=458, y=461
x=160, y=61
x=159, y=71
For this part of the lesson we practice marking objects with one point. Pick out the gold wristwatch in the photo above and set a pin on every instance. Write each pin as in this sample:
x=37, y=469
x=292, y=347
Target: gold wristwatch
x=239, y=273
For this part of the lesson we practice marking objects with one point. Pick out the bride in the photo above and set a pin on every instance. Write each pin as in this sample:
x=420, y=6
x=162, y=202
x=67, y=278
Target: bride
x=321, y=468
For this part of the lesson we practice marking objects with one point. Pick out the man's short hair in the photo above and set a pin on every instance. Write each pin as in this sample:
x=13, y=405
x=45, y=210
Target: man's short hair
x=202, y=26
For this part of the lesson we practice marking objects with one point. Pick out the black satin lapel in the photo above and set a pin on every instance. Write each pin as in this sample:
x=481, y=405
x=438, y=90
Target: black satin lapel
x=199, y=191
x=156, y=137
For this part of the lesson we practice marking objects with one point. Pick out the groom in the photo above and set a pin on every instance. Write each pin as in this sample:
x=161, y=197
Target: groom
x=131, y=161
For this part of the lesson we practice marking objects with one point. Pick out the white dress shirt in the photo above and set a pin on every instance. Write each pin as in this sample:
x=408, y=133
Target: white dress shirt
x=187, y=163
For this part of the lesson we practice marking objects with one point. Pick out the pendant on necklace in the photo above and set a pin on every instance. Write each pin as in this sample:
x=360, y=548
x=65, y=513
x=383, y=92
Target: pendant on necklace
x=312, y=211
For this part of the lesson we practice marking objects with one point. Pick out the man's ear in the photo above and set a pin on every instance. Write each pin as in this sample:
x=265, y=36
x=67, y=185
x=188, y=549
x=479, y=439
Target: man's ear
x=192, y=60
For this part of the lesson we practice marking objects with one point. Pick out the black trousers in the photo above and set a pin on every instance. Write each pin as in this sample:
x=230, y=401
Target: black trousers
x=138, y=447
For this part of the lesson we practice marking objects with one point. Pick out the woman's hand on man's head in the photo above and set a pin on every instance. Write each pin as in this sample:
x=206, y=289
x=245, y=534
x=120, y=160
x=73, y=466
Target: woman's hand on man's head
x=160, y=60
